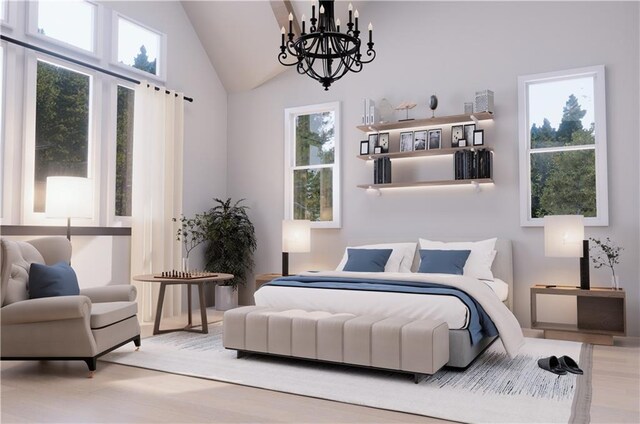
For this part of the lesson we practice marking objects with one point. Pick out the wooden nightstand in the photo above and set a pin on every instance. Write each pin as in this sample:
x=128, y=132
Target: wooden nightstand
x=265, y=278
x=601, y=314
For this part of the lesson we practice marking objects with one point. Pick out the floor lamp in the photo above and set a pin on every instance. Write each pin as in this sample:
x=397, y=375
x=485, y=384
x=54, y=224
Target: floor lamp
x=564, y=238
x=296, y=238
x=69, y=197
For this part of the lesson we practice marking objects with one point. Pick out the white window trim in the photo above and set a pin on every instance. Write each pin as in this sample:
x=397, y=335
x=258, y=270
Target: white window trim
x=114, y=220
x=162, y=60
x=9, y=21
x=32, y=31
x=289, y=158
x=600, y=115
x=93, y=167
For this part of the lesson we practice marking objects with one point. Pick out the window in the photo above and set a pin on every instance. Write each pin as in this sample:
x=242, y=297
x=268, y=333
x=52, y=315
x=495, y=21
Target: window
x=312, y=161
x=58, y=131
x=3, y=10
x=139, y=47
x=124, y=151
x=563, y=146
x=52, y=20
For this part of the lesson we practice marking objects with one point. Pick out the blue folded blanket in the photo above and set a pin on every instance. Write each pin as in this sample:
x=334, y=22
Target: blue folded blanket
x=480, y=325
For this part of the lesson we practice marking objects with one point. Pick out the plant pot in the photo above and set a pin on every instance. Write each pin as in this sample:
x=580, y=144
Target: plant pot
x=226, y=298
x=614, y=283
x=185, y=265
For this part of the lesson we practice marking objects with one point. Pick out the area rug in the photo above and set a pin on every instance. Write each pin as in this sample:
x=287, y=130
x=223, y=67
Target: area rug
x=492, y=389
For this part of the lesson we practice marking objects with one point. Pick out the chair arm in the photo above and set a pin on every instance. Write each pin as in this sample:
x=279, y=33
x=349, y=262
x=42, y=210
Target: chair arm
x=118, y=293
x=46, y=309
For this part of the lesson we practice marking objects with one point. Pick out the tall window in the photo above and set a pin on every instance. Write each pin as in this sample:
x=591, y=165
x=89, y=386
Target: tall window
x=124, y=151
x=312, y=174
x=563, y=146
x=72, y=22
x=61, y=126
x=139, y=47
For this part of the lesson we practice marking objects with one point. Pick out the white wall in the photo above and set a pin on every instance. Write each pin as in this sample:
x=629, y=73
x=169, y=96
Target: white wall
x=452, y=49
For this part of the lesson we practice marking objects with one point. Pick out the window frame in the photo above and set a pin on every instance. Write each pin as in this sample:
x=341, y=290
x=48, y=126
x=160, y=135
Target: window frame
x=9, y=21
x=29, y=217
x=289, y=161
x=161, y=65
x=600, y=146
x=32, y=31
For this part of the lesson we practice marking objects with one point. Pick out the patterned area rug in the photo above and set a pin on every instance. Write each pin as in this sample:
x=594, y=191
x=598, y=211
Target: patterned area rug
x=492, y=389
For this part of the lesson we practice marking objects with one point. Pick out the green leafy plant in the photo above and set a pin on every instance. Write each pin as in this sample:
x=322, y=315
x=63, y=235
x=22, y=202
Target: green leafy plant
x=192, y=231
x=608, y=255
x=231, y=241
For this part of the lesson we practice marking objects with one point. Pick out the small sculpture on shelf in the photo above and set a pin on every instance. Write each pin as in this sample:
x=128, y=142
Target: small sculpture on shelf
x=433, y=104
x=406, y=106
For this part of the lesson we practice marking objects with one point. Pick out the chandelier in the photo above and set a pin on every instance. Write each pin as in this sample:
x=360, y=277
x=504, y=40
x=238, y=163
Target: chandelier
x=324, y=53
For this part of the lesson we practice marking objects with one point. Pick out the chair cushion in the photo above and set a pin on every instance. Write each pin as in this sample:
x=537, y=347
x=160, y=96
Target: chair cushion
x=17, y=258
x=107, y=313
x=55, y=280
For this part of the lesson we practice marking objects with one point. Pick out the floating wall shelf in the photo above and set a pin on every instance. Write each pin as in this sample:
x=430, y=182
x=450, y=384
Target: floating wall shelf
x=474, y=182
x=420, y=153
x=428, y=122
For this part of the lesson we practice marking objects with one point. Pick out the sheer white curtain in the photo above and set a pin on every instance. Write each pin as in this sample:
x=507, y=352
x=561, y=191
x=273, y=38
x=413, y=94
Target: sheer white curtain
x=158, y=133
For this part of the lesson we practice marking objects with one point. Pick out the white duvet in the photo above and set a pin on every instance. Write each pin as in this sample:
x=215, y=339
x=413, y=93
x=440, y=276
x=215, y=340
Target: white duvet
x=445, y=308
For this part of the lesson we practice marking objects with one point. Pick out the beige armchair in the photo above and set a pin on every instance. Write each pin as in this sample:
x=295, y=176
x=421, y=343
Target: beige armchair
x=82, y=327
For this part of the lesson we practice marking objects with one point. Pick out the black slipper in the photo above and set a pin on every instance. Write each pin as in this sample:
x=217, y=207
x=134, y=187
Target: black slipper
x=551, y=364
x=568, y=364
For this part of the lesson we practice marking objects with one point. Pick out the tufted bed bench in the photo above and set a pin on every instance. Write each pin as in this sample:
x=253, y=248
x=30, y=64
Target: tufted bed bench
x=401, y=344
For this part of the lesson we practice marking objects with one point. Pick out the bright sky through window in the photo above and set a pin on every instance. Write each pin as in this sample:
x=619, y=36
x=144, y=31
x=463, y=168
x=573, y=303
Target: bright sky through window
x=546, y=100
x=67, y=21
x=131, y=38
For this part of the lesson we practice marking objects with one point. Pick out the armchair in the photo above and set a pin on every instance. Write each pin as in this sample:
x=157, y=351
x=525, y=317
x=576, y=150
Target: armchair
x=82, y=327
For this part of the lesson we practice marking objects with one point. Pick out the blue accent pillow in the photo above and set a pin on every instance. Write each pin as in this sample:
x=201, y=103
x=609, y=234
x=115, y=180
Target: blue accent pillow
x=443, y=261
x=55, y=280
x=367, y=260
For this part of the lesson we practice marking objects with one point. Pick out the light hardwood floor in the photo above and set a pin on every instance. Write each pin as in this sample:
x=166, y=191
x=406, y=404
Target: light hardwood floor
x=60, y=392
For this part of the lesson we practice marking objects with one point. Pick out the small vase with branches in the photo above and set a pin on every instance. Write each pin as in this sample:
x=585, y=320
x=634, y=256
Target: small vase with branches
x=608, y=255
x=191, y=233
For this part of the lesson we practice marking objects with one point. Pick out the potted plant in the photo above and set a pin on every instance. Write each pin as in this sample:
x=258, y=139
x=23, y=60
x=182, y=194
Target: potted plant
x=191, y=233
x=231, y=241
x=608, y=255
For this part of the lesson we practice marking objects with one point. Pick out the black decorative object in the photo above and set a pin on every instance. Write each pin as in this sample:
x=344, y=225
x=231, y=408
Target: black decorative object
x=433, y=104
x=584, y=266
x=324, y=53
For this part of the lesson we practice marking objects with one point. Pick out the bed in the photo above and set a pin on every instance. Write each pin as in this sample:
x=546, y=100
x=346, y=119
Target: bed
x=465, y=343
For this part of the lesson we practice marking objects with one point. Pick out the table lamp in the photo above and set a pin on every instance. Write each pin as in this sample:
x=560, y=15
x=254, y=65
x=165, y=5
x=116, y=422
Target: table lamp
x=564, y=238
x=296, y=238
x=69, y=197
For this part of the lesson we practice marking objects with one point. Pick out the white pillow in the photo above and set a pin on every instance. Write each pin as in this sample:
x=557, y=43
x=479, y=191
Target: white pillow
x=480, y=259
x=400, y=260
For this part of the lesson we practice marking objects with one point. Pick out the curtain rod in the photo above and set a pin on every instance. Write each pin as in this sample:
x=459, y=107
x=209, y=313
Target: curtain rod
x=78, y=62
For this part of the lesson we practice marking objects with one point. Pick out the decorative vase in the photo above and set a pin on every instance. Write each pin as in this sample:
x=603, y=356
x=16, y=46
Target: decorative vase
x=226, y=298
x=185, y=264
x=614, y=282
x=385, y=111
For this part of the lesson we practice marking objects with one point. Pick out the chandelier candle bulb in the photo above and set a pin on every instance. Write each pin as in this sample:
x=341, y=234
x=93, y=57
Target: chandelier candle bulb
x=337, y=25
x=321, y=10
x=282, y=34
x=303, y=23
x=313, y=11
x=290, y=23
x=356, y=15
x=370, y=32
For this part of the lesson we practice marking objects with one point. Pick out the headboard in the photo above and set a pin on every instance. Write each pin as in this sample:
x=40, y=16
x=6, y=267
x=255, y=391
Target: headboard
x=503, y=267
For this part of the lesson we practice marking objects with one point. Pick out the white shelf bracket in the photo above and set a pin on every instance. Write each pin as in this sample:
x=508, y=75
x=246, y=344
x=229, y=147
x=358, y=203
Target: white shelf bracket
x=476, y=186
x=374, y=191
x=473, y=117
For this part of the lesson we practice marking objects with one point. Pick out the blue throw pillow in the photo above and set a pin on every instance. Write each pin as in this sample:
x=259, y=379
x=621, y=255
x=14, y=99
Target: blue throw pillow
x=443, y=261
x=55, y=280
x=367, y=260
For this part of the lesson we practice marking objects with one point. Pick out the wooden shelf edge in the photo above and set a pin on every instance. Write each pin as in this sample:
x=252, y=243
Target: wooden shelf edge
x=573, y=328
x=427, y=122
x=428, y=183
x=422, y=153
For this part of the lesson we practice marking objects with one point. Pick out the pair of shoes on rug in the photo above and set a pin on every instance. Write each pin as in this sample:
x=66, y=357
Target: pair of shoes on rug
x=559, y=366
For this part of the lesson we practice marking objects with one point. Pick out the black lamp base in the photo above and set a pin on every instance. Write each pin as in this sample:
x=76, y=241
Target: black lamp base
x=285, y=264
x=584, y=266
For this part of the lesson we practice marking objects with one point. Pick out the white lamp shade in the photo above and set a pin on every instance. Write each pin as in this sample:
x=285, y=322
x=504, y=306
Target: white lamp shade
x=563, y=236
x=69, y=197
x=296, y=236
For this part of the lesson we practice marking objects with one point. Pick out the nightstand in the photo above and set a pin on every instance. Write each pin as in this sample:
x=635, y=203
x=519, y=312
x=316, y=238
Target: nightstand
x=601, y=314
x=265, y=278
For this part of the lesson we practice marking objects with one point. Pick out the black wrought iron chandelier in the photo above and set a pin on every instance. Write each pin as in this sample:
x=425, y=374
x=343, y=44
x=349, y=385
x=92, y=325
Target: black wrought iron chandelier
x=325, y=53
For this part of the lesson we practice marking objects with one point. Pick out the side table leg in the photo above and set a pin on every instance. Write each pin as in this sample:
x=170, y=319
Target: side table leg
x=156, y=325
x=189, y=304
x=203, y=309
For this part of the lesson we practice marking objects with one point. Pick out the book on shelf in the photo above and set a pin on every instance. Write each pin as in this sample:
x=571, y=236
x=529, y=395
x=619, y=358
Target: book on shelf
x=472, y=164
x=382, y=171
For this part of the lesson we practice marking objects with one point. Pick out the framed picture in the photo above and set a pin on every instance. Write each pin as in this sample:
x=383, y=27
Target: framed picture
x=468, y=133
x=420, y=140
x=478, y=137
x=462, y=142
x=377, y=150
x=364, y=147
x=435, y=138
x=373, y=142
x=383, y=141
x=457, y=132
x=406, y=141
